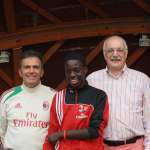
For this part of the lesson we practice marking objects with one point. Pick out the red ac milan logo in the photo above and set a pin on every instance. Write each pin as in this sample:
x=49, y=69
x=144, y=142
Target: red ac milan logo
x=45, y=105
x=83, y=108
x=18, y=106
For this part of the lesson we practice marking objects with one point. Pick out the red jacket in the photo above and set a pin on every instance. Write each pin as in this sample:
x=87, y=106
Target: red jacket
x=70, y=117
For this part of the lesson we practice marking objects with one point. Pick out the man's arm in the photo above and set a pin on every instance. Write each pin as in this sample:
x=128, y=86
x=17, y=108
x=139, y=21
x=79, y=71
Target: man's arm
x=146, y=114
x=3, y=119
x=98, y=122
x=100, y=116
x=54, y=126
x=70, y=134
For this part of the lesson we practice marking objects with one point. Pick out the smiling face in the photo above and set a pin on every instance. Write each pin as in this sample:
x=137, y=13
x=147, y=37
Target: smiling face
x=75, y=73
x=115, y=53
x=31, y=71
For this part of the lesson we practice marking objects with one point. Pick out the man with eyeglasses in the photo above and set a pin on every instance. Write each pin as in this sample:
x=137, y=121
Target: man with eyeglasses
x=128, y=93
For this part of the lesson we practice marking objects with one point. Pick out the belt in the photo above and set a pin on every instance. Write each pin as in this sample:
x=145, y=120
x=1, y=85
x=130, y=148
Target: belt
x=117, y=143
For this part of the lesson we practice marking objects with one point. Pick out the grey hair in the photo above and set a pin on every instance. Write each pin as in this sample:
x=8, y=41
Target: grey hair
x=123, y=40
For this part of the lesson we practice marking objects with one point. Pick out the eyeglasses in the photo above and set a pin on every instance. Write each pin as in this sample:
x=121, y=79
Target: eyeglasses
x=112, y=50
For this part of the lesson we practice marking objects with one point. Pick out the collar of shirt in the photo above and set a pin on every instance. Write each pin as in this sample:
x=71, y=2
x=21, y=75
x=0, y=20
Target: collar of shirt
x=118, y=76
x=72, y=95
x=31, y=90
x=81, y=88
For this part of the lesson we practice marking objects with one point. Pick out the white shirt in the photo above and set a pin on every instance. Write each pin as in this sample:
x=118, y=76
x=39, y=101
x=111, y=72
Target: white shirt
x=24, y=117
x=129, y=103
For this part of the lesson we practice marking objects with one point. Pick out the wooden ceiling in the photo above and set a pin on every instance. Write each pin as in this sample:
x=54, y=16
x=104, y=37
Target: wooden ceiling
x=54, y=27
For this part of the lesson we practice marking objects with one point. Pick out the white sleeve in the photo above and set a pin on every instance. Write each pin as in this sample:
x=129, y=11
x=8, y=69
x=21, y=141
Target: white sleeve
x=3, y=119
x=146, y=114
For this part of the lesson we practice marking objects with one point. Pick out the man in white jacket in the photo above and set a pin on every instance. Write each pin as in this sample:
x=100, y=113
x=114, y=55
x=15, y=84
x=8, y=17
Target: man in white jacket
x=24, y=110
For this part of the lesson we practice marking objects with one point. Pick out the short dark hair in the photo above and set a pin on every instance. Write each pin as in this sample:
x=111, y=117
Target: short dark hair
x=75, y=55
x=31, y=53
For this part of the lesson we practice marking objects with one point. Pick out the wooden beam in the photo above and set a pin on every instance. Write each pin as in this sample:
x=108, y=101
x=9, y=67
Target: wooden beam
x=51, y=18
x=103, y=21
x=135, y=56
x=4, y=76
x=94, y=8
x=49, y=53
x=90, y=57
x=142, y=4
x=76, y=30
x=16, y=53
x=41, y=11
x=9, y=12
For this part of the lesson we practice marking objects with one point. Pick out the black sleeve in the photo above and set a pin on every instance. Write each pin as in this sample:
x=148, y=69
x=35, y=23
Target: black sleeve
x=99, y=116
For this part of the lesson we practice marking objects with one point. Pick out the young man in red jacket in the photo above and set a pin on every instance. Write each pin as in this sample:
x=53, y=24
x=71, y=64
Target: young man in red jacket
x=78, y=113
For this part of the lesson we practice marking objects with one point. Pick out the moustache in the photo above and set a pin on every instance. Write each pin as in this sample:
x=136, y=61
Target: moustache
x=115, y=58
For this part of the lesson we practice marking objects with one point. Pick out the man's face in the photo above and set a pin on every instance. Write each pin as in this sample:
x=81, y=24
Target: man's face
x=75, y=73
x=31, y=71
x=115, y=54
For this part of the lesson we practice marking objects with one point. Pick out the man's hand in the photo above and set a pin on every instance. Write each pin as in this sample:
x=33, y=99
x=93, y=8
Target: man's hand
x=55, y=137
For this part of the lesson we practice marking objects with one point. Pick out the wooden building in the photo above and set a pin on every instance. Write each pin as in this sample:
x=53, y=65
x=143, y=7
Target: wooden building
x=55, y=27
